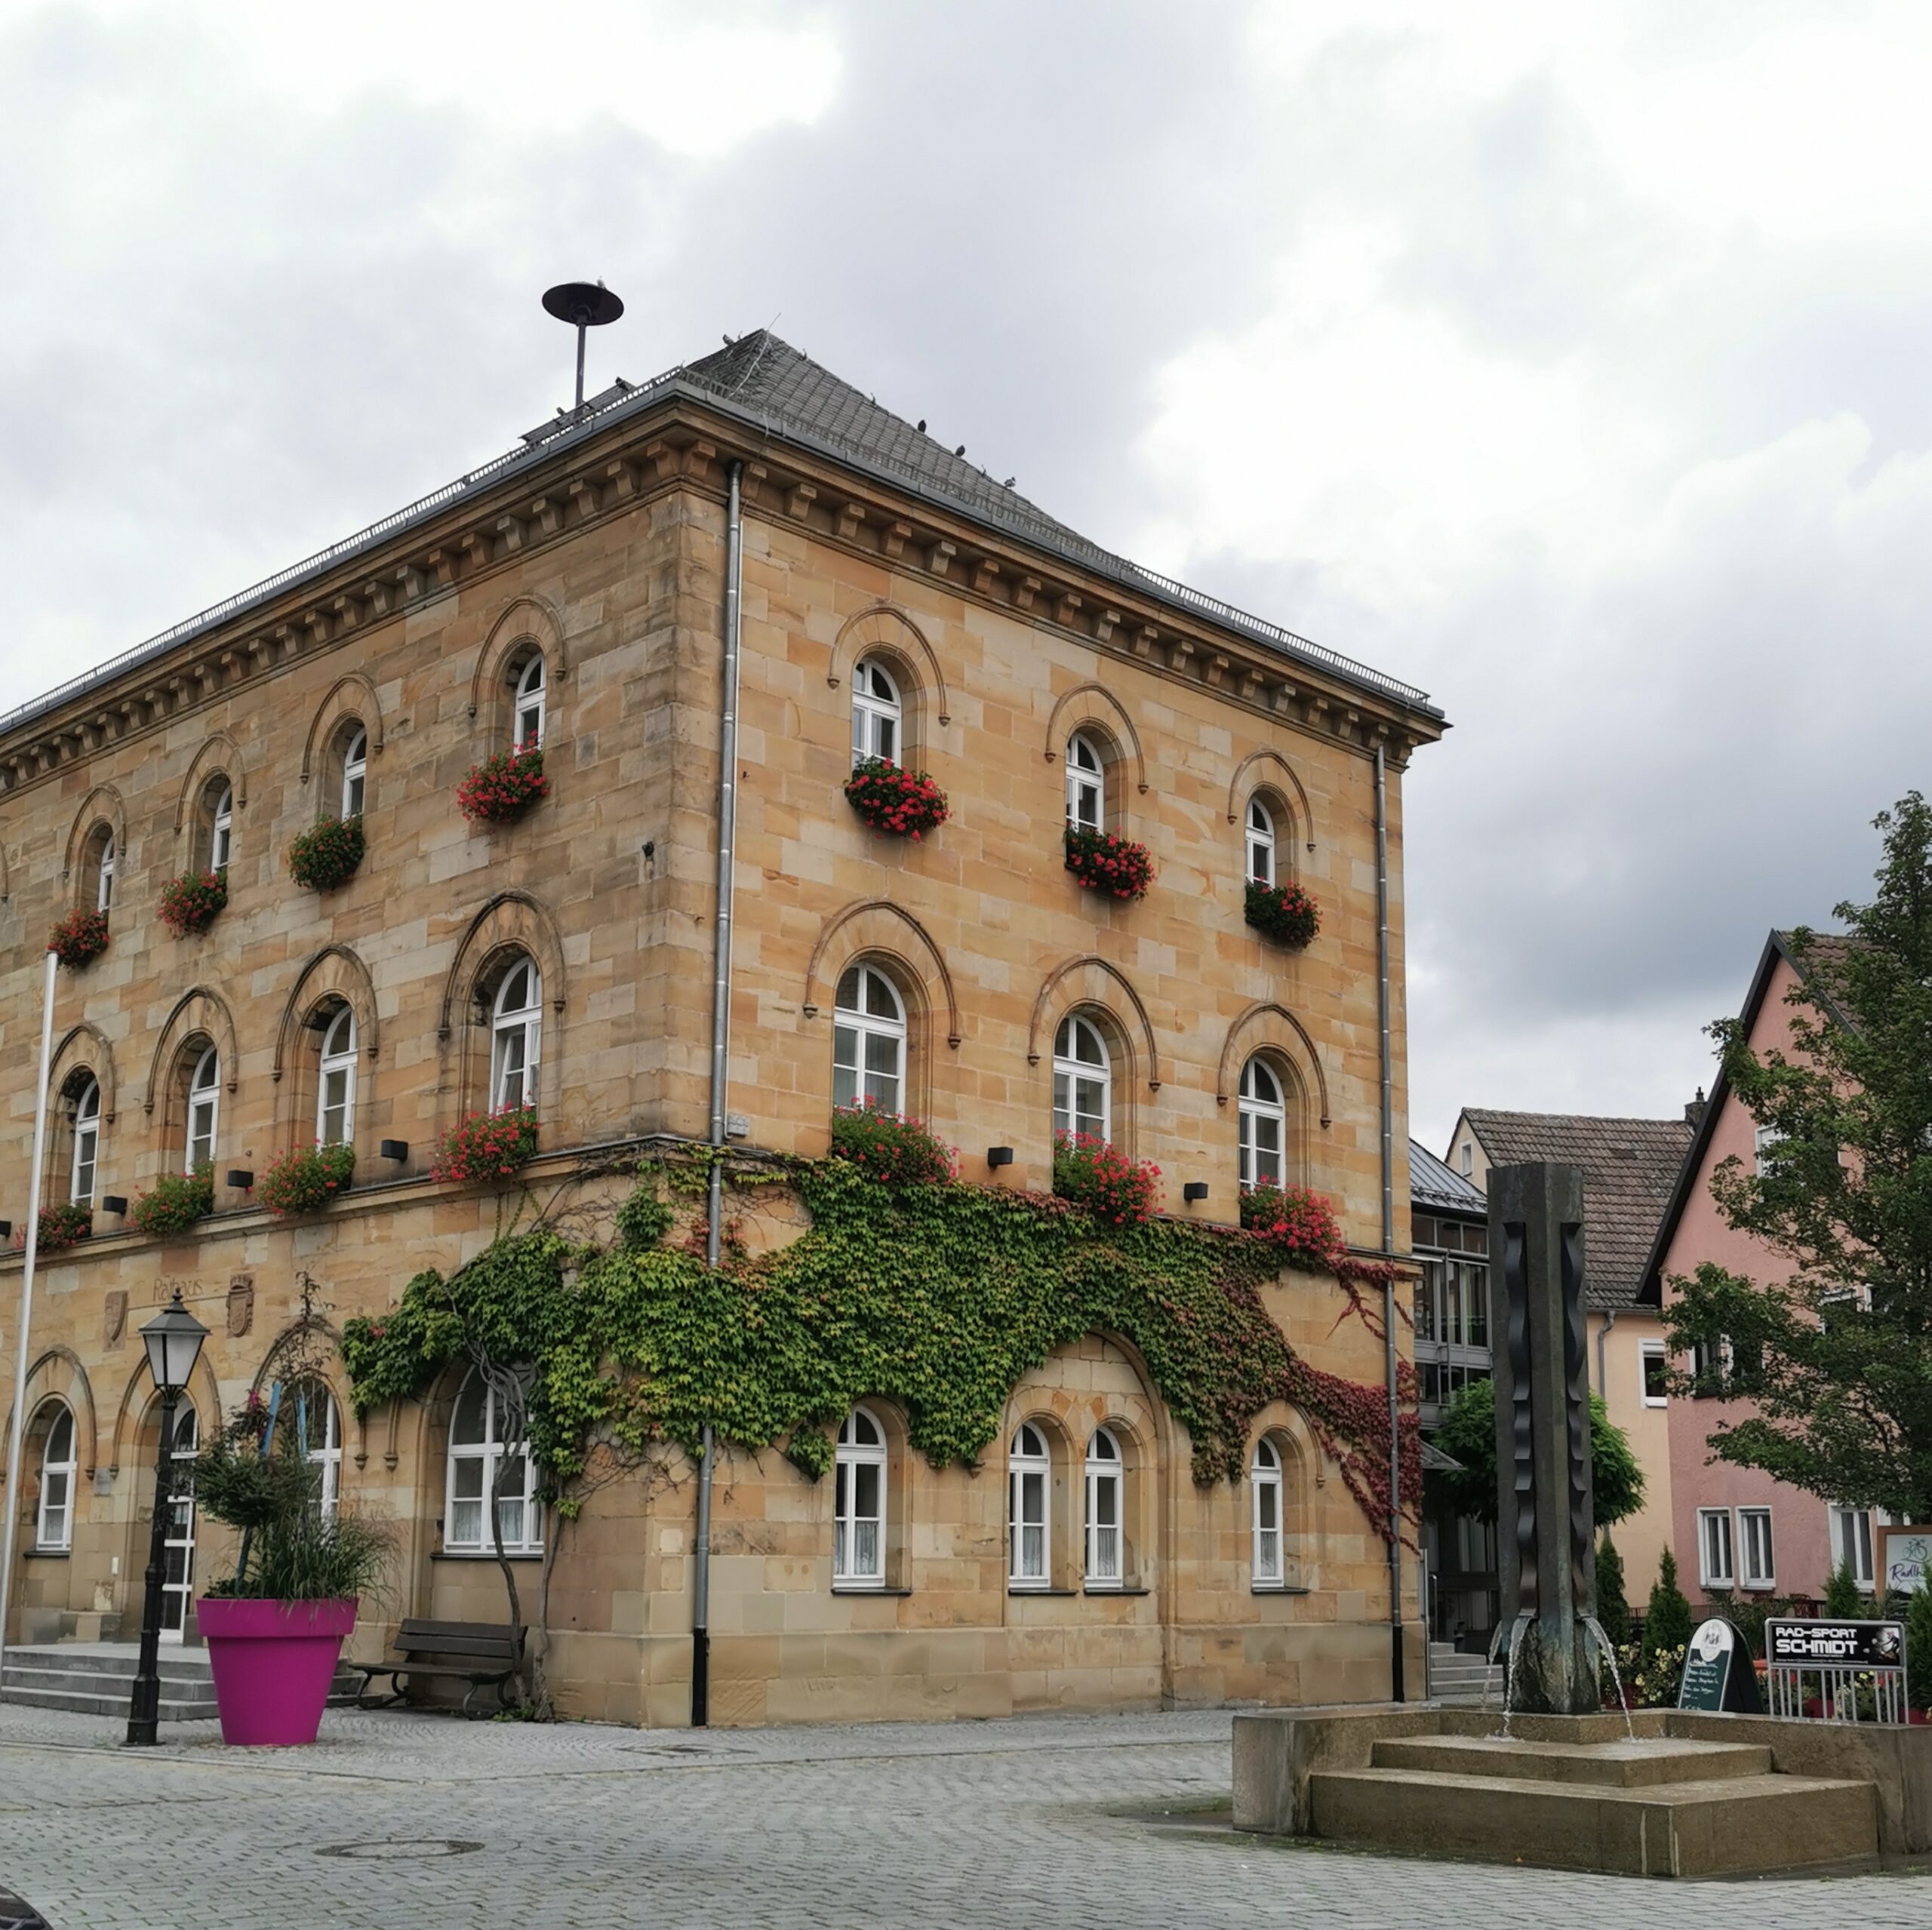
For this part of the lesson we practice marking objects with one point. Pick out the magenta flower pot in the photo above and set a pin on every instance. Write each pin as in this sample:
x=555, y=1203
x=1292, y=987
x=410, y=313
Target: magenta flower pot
x=273, y=1663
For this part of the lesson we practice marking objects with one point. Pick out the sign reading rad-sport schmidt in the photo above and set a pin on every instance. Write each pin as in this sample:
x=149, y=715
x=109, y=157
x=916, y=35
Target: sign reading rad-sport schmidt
x=1834, y=1645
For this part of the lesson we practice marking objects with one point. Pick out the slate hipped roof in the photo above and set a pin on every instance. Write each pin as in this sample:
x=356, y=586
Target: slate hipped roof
x=1630, y=1168
x=771, y=387
x=1433, y=1185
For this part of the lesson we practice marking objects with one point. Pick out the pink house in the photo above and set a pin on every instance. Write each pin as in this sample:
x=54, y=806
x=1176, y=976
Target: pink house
x=1734, y=1529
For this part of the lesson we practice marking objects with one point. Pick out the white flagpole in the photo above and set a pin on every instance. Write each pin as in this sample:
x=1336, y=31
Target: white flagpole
x=20, y=1421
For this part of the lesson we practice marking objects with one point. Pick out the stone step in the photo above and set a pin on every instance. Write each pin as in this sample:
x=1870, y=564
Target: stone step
x=119, y=1662
x=98, y=1680
x=1643, y=1764
x=1687, y=1829
x=105, y=1702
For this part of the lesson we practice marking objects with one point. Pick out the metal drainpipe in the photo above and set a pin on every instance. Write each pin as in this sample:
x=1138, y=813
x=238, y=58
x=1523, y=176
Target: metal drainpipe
x=1603, y=1375
x=720, y=1021
x=1395, y=1683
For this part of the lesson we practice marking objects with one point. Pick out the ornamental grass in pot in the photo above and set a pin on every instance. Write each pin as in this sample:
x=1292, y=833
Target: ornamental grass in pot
x=274, y=1629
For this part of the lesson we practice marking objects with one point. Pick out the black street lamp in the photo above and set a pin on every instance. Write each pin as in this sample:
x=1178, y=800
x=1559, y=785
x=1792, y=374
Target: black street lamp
x=173, y=1340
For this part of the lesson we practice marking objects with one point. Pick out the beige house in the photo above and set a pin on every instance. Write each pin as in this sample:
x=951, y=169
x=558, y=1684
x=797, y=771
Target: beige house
x=573, y=593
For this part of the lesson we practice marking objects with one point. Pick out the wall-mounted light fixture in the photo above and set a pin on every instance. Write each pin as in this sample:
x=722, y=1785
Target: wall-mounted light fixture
x=1195, y=1189
x=999, y=1155
x=394, y=1149
x=112, y=1202
x=242, y=1182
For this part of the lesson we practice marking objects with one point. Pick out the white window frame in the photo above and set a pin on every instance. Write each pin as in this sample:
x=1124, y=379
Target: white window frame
x=1260, y=843
x=103, y=890
x=204, y=1110
x=1267, y=1562
x=529, y=707
x=221, y=830
x=878, y=714
x=854, y=1028
x=1754, y=1525
x=1709, y=1521
x=852, y=1457
x=1029, y=1465
x=1105, y=1566
x=355, y=772
x=336, y=1065
x=1256, y=1113
x=1086, y=784
x=53, y=1518
x=1465, y=1160
x=1762, y=1141
x=1852, y=1536
x=1648, y=1351
x=489, y=1452
x=87, y=1144
x=1071, y=1073
x=514, y=1030
x=326, y=1454
x=178, y=1590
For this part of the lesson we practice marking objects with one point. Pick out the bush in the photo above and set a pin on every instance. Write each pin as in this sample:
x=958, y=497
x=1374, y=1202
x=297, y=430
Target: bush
x=1667, y=1623
x=306, y=1179
x=902, y=802
x=175, y=1202
x=895, y=1152
x=1918, y=1647
x=79, y=938
x=487, y=1148
x=327, y=853
x=1103, y=862
x=1843, y=1602
x=1613, y=1611
x=1114, y=1189
x=1284, y=912
x=1651, y=1677
x=190, y=902
x=1301, y=1225
x=61, y=1228
x=503, y=787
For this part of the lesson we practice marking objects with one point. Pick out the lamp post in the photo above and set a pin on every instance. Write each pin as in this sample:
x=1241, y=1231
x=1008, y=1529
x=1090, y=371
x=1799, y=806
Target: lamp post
x=173, y=1340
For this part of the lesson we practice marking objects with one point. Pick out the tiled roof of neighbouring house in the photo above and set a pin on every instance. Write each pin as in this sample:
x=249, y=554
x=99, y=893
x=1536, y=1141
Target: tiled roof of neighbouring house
x=1433, y=1185
x=1630, y=1167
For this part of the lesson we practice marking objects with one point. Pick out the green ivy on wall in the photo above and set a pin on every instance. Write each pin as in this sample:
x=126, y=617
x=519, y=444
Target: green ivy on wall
x=940, y=1297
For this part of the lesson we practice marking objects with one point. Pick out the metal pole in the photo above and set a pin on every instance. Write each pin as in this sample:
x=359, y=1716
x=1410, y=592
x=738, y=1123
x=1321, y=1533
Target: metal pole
x=144, y=1706
x=1395, y=1682
x=16, y=1432
x=582, y=329
x=721, y=1024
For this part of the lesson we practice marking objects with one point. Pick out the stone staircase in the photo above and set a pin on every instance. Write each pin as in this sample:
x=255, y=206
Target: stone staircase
x=1656, y=1806
x=97, y=1679
x=1455, y=1675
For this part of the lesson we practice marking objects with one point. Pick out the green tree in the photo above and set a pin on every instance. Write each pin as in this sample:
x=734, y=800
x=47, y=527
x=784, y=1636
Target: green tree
x=1843, y=1602
x=1613, y=1611
x=1837, y=1354
x=1667, y=1622
x=1918, y=1647
x=1467, y=1435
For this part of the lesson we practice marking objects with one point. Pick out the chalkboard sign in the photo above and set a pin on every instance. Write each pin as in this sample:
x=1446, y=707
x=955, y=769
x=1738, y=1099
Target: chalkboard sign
x=1834, y=1645
x=1717, y=1673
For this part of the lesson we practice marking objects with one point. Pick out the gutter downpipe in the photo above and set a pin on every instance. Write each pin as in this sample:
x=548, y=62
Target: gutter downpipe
x=1603, y=1372
x=1395, y=1682
x=720, y=1021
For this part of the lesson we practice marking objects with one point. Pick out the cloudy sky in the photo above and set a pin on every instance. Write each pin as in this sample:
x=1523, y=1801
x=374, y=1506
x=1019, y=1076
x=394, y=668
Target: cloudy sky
x=1569, y=361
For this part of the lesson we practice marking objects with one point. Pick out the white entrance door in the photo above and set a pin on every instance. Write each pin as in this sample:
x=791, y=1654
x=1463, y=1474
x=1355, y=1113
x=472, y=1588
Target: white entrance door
x=177, y=1574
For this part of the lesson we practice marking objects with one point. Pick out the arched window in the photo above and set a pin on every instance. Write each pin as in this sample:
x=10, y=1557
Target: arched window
x=477, y=1450
x=526, y=712
x=86, y=1099
x=858, y=1547
x=868, y=1041
x=1264, y=1479
x=1029, y=1473
x=1260, y=843
x=220, y=805
x=878, y=718
x=1264, y=1125
x=1103, y=1511
x=335, y=1084
x=54, y=1525
x=308, y=1408
x=1083, y=1079
x=1086, y=783
x=354, y=771
x=204, y=1108
x=104, y=873
x=516, y=1031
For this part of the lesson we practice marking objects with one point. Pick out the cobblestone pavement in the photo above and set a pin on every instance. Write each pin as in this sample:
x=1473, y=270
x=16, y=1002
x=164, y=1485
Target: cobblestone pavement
x=395, y=1821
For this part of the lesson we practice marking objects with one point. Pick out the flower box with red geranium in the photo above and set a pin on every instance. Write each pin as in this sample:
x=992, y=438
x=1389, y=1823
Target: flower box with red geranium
x=190, y=903
x=1284, y=912
x=306, y=1179
x=60, y=1226
x=503, y=787
x=1103, y=862
x=895, y=1151
x=904, y=803
x=327, y=854
x=175, y=1202
x=487, y=1147
x=79, y=938
x=1301, y=1226
x=1090, y=1173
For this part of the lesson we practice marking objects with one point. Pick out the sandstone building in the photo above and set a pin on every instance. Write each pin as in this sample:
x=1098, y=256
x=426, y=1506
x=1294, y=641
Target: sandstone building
x=573, y=593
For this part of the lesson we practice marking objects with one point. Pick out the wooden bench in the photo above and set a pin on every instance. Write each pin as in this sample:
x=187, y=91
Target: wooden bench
x=484, y=1654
